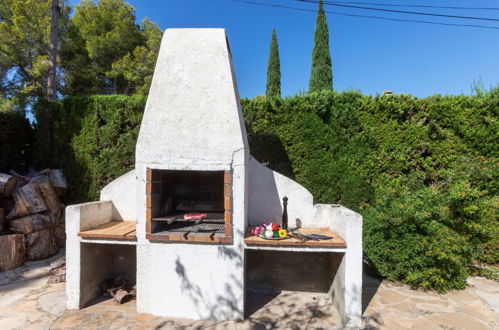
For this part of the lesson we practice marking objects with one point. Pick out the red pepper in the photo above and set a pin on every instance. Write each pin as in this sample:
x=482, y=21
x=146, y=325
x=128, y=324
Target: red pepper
x=275, y=227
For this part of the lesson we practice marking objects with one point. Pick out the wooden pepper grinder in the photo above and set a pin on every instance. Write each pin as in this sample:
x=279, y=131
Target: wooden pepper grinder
x=285, y=213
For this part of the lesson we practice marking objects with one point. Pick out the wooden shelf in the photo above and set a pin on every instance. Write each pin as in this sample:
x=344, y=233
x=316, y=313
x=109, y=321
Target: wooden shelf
x=120, y=230
x=334, y=242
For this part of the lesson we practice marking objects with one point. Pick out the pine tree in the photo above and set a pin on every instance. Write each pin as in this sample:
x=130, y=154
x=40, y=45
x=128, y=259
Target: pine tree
x=273, y=69
x=52, y=59
x=321, y=77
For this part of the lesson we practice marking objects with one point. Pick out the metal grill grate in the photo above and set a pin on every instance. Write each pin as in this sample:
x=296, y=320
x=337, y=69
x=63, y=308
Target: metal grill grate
x=192, y=228
x=170, y=219
x=200, y=228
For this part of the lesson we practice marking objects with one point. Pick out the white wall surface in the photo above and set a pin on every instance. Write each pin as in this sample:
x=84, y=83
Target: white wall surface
x=193, y=121
x=266, y=190
x=193, y=114
x=191, y=281
x=346, y=290
x=122, y=192
x=81, y=217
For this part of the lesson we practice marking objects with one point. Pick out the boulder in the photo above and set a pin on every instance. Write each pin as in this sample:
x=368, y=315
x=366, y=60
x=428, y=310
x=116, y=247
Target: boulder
x=40, y=245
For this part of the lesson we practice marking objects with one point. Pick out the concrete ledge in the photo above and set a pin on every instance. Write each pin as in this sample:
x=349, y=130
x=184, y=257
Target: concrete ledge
x=104, y=241
x=193, y=239
x=81, y=217
x=346, y=290
x=85, y=216
x=297, y=249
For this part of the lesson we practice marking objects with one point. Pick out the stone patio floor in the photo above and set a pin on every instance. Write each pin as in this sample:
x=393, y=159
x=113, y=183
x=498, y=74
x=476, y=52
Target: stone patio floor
x=28, y=302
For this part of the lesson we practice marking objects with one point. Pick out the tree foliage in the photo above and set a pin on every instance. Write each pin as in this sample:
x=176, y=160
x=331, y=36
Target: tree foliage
x=137, y=67
x=273, y=69
x=16, y=136
x=101, y=50
x=24, y=47
x=107, y=51
x=321, y=76
x=92, y=138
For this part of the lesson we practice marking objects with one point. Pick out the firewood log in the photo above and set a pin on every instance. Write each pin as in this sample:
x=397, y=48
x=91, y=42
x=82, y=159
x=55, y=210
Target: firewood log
x=20, y=176
x=49, y=194
x=40, y=245
x=121, y=296
x=28, y=201
x=120, y=288
x=7, y=204
x=7, y=184
x=60, y=235
x=3, y=221
x=21, y=179
x=57, y=180
x=32, y=223
x=12, y=247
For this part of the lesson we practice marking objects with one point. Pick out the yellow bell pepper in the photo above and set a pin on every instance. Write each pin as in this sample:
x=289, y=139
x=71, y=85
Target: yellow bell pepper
x=283, y=233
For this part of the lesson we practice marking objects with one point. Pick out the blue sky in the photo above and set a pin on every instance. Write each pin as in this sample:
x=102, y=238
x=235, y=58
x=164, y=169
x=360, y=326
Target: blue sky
x=368, y=55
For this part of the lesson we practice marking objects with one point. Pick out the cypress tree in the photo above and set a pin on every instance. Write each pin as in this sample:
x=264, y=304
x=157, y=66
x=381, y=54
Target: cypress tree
x=273, y=69
x=321, y=77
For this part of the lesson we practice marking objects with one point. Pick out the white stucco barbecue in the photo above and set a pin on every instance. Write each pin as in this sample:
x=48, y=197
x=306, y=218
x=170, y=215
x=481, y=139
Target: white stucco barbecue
x=193, y=122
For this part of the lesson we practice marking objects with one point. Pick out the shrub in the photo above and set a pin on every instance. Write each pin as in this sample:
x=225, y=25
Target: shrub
x=422, y=172
x=16, y=136
x=91, y=139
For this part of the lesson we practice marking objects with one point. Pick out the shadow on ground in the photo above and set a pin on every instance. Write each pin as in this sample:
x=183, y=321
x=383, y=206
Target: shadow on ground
x=289, y=310
x=370, y=286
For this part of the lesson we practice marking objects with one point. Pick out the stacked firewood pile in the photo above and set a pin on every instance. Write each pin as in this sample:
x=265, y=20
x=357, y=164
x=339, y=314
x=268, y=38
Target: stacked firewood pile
x=31, y=216
x=120, y=288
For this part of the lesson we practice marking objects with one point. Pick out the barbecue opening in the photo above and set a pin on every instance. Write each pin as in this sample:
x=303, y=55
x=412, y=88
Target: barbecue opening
x=187, y=203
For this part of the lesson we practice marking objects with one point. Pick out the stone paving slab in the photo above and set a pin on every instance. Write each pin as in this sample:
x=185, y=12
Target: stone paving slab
x=397, y=306
x=28, y=302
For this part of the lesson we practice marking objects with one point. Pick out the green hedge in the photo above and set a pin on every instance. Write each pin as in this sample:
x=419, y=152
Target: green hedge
x=422, y=172
x=16, y=136
x=91, y=139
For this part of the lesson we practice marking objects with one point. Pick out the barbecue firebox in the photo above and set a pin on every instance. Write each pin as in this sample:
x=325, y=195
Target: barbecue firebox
x=185, y=208
x=189, y=204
